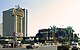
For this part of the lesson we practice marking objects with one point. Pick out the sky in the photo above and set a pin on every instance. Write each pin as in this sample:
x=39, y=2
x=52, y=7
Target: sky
x=45, y=13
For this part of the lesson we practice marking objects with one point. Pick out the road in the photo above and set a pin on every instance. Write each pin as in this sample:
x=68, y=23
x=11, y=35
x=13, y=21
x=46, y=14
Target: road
x=40, y=48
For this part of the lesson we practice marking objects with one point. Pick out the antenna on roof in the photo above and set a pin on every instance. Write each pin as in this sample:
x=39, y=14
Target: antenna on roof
x=17, y=6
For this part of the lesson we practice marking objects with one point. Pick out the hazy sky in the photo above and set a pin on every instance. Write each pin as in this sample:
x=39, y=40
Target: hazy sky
x=45, y=13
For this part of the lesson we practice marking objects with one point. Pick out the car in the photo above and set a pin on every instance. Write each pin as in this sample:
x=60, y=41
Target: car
x=75, y=48
x=29, y=47
x=74, y=45
x=65, y=43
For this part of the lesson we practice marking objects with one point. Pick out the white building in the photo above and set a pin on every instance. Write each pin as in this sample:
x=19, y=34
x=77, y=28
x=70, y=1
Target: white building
x=1, y=29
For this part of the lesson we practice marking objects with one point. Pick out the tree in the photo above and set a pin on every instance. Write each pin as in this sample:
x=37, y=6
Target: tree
x=70, y=31
x=53, y=30
x=3, y=42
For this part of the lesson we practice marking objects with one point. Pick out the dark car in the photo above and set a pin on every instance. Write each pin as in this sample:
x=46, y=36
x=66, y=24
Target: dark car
x=29, y=47
x=75, y=48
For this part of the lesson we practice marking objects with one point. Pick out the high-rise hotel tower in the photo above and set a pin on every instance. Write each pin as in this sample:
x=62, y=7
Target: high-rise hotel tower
x=15, y=21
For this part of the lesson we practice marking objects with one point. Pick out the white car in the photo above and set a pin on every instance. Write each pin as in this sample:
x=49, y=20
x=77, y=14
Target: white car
x=74, y=45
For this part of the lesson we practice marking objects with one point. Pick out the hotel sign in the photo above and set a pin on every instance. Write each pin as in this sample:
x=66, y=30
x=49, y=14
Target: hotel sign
x=18, y=11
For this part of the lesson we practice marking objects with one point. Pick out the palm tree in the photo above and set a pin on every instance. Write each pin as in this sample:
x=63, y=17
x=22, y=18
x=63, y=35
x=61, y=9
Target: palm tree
x=70, y=31
x=53, y=30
